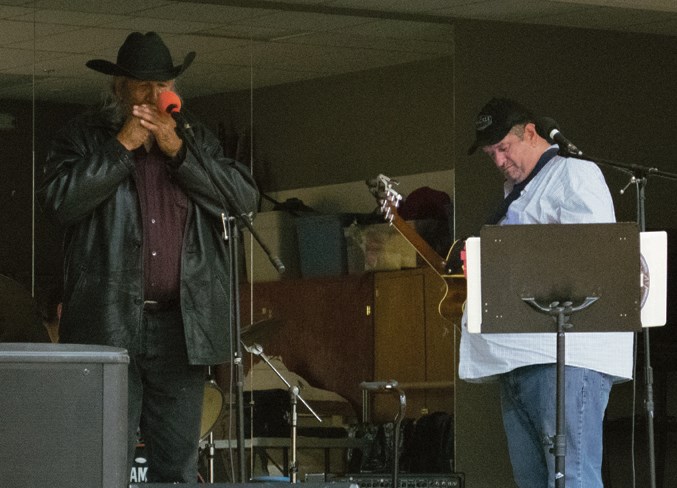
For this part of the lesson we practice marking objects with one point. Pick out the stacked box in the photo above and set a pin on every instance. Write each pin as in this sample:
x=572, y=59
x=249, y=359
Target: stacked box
x=322, y=245
x=377, y=247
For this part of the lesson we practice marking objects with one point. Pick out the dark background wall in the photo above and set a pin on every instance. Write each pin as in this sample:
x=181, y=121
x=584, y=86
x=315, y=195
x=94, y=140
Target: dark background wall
x=612, y=94
x=397, y=120
x=22, y=146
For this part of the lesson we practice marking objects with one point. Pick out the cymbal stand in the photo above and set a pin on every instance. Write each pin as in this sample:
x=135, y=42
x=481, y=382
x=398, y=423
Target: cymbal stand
x=211, y=449
x=211, y=452
x=294, y=396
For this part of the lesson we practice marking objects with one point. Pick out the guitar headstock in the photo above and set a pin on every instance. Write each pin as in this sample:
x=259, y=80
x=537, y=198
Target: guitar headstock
x=387, y=198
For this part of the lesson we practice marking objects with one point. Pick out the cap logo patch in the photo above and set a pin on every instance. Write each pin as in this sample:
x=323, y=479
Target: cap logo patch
x=483, y=121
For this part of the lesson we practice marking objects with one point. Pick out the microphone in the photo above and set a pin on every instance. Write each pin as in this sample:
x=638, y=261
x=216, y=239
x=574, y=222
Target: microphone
x=548, y=129
x=279, y=265
x=169, y=102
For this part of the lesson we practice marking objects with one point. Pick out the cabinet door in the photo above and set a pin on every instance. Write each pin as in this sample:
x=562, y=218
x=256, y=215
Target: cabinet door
x=441, y=335
x=399, y=338
x=413, y=343
x=326, y=334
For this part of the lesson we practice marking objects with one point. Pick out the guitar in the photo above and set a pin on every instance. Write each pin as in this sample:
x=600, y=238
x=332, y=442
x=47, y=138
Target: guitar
x=389, y=200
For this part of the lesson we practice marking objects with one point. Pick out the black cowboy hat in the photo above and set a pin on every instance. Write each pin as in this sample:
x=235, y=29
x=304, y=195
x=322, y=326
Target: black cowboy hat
x=144, y=57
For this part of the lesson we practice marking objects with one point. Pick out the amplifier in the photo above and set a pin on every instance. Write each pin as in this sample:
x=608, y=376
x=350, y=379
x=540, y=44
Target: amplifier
x=64, y=415
x=406, y=480
x=276, y=484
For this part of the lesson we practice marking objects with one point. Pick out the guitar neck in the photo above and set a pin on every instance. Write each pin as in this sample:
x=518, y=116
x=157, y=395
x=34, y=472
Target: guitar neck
x=421, y=245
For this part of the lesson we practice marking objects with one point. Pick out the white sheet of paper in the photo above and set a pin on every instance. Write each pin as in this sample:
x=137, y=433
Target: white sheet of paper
x=654, y=250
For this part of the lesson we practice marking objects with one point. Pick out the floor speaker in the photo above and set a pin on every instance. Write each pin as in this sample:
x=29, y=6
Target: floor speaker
x=63, y=416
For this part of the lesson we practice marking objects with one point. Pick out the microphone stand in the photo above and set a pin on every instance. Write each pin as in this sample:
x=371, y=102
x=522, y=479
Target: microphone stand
x=294, y=395
x=185, y=132
x=639, y=176
x=391, y=386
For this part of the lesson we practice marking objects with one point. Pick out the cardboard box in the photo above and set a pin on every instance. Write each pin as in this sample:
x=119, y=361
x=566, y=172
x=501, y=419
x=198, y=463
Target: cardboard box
x=377, y=247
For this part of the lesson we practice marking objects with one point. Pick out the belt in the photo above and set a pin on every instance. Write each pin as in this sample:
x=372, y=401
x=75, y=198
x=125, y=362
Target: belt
x=159, y=305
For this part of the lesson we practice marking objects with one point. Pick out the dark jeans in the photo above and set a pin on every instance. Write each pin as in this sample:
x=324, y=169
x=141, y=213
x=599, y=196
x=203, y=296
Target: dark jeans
x=165, y=400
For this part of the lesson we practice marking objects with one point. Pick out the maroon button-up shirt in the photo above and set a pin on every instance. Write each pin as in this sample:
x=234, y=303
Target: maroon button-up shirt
x=164, y=209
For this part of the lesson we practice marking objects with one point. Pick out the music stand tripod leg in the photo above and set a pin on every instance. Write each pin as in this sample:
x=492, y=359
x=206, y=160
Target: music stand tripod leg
x=562, y=314
x=559, y=441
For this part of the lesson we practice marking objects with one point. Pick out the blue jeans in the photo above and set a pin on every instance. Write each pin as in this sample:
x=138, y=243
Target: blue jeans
x=528, y=401
x=165, y=400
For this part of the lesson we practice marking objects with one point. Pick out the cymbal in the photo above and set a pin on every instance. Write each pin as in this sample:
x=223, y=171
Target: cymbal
x=259, y=331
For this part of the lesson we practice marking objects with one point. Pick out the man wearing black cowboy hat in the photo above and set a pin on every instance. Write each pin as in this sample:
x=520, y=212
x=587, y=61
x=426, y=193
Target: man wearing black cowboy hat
x=146, y=266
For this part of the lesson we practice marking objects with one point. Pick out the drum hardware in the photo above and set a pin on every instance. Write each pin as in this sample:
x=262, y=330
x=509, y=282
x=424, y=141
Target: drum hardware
x=212, y=408
x=294, y=396
x=214, y=402
x=259, y=331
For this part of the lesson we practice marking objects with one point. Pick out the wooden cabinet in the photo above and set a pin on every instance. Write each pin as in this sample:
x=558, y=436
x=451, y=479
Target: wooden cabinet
x=339, y=331
x=327, y=333
x=413, y=343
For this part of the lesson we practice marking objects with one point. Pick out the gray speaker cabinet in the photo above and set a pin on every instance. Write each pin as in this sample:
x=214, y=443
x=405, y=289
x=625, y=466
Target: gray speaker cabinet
x=63, y=416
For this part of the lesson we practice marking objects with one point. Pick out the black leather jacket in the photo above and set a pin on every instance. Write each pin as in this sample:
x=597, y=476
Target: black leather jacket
x=89, y=188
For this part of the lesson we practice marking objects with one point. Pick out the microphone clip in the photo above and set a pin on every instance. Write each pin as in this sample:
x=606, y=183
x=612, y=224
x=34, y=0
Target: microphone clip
x=183, y=127
x=568, y=149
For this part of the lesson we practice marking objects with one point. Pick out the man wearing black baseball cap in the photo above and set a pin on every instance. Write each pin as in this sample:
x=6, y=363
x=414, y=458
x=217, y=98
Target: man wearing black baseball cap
x=543, y=187
x=147, y=267
x=496, y=119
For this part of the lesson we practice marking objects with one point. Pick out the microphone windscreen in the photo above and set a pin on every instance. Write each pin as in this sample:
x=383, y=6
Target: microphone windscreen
x=545, y=126
x=168, y=101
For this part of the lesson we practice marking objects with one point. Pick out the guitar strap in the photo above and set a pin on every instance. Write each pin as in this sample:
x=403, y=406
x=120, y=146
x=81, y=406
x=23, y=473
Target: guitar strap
x=517, y=189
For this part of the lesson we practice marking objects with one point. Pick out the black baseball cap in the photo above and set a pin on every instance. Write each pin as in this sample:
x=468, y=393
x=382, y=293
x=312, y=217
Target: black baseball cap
x=496, y=119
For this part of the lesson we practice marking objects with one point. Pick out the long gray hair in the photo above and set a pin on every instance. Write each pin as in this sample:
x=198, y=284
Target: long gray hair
x=111, y=106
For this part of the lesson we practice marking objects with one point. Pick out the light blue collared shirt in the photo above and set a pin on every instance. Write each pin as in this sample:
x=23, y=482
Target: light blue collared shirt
x=565, y=191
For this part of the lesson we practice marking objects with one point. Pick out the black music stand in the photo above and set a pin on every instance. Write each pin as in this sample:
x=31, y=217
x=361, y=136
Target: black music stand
x=532, y=274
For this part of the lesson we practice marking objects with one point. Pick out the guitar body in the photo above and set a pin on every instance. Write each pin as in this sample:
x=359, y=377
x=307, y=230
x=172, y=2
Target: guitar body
x=451, y=306
x=454, y=295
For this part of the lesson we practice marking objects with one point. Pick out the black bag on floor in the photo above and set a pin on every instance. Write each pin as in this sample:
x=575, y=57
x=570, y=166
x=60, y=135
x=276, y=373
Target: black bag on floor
x=431, y=448
x=271, y=413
